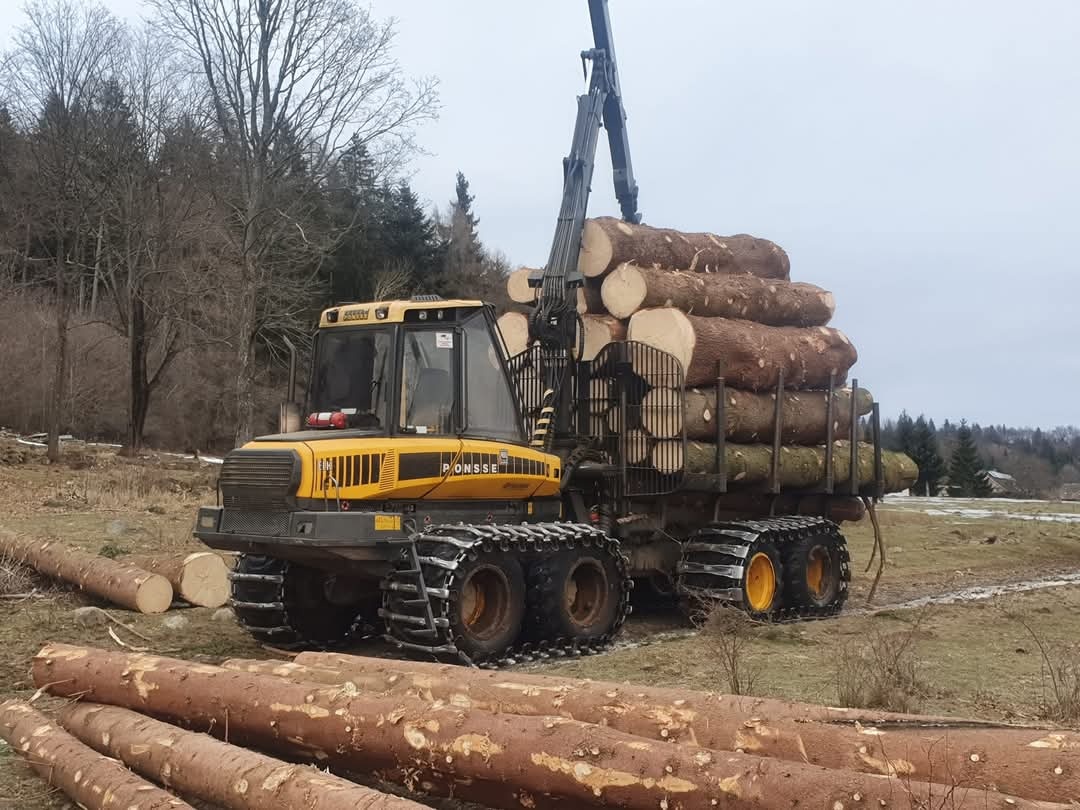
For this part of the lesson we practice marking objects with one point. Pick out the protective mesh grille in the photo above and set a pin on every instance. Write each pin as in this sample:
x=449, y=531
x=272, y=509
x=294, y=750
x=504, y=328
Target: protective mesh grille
x=268, y=524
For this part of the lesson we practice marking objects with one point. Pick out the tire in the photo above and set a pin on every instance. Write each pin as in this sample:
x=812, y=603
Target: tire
x=763, y=580
x=487, y=604
x=575, y=594
x=290, y=605
x=816, y=573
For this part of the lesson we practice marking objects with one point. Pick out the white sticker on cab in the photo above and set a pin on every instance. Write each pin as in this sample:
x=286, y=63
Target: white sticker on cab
x=444, y=340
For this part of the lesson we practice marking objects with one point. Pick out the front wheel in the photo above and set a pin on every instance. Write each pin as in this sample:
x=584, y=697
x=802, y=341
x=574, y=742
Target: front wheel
x=487, y=604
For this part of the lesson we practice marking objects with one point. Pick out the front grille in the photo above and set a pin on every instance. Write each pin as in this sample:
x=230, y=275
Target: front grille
x=259, y=479
x=242, y=521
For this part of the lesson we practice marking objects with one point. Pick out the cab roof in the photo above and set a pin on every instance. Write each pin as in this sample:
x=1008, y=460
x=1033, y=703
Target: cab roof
x=388, y=311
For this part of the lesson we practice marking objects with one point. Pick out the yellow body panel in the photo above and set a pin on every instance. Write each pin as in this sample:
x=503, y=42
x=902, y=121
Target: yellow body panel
x=408, y=467
x=388, y=311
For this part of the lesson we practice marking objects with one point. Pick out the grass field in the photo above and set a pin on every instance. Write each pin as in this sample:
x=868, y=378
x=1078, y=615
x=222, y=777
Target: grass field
x=974, y=657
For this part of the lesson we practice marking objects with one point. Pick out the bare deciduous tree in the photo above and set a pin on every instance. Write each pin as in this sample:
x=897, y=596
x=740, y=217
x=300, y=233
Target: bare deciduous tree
x=290, y=82
x=56, y=69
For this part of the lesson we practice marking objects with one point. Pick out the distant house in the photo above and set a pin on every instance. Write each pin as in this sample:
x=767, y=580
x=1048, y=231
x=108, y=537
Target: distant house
x=1069, y=492
x=1002, y=485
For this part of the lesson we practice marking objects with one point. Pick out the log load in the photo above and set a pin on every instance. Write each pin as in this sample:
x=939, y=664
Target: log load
x=751, y=355
x=201, y=579
x=86, y=777
x=929, y=752
x=114, y=580
x=519, y=292
x=224, y=775
x=607, y=242
x=582, y=763
x=800, y=467
x=629, y=287
x=749, y=415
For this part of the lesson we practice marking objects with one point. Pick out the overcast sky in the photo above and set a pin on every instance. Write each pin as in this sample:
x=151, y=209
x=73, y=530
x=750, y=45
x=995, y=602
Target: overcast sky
x=919, y=159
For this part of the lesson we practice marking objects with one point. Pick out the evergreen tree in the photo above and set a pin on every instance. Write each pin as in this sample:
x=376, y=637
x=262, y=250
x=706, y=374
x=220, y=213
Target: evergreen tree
x=464, y=253
x=967, y=479
x=903, y=438
x=925, y=453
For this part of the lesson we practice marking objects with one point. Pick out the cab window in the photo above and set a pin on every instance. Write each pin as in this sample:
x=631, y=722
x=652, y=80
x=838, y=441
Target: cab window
x=428, y=387
x=489, y=408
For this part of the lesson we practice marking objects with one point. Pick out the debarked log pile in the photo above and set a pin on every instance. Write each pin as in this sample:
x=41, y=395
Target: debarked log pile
x=511, y=740
x=726, y=310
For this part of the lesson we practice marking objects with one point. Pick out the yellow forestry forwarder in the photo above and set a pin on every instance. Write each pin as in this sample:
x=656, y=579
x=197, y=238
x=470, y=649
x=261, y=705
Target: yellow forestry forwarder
x=457, y=497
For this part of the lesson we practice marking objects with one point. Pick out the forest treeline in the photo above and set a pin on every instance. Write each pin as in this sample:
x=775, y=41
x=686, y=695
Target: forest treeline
x=957, y=458
x=179, y=199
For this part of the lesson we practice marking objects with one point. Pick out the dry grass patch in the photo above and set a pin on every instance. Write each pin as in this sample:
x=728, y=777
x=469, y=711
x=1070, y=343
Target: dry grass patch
x=881, y=669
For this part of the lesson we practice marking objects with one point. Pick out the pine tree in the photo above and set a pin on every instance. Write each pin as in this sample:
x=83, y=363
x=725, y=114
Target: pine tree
x=967, y=479
x=464, y=252
x=904, y=433
x=925, y=453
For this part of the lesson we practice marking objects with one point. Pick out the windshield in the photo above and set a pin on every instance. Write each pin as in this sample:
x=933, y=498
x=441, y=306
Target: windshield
x=352, y=375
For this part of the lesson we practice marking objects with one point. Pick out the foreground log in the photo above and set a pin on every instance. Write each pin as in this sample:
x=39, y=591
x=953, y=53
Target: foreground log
x=86, y=777
x=629, y=287
x=579, y=762
x=200, y=579
x=751, y=355
x=800, y=467
x=225, y=775
x=749, y=416
x=698, y=710
x=114, y=580
x=607, y=242
x=1018, y=761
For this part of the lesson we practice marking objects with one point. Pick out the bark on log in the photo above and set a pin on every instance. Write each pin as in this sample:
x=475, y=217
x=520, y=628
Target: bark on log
x=929, y=753
x=629, y=288
x=225, y=775
x=800, y=467
x=751, y=355
x=519, y=292
x=580, y=762
x=119, y=582
x=200, y=579
x=85, y=776
x=749, y=415
x=600, y=330
x=607, y=242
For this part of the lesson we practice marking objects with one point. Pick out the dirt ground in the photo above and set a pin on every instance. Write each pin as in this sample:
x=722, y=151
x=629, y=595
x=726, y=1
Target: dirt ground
x=968, y=648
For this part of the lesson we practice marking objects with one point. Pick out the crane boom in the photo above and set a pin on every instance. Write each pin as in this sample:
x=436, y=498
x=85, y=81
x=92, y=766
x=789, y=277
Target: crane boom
x=554, y=322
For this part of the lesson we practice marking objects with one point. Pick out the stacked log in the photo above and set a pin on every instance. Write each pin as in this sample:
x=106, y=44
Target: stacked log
x=725, y=308
x=511, y=740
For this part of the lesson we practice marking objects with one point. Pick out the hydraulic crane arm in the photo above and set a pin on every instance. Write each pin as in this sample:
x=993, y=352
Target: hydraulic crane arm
x=626, y=190
x=554, y=322
x=555, y=318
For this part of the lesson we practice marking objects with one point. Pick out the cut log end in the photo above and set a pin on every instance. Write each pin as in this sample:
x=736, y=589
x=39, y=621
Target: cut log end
x=596, y=250
x=517, y=287
x=514, y=327
x=204, y=580
x=624, y=291
x=154, y=594
x=666, y=329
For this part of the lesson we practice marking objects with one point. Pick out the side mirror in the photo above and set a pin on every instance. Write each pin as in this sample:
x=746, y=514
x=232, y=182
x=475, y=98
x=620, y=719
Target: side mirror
x=289, y=419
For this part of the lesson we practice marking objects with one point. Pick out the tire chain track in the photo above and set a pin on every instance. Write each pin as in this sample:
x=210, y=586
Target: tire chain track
x=443, y=548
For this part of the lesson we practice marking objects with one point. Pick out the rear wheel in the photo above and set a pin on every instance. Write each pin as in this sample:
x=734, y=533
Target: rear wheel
x=726, y=564
x=816, y=573
x=575, y=594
